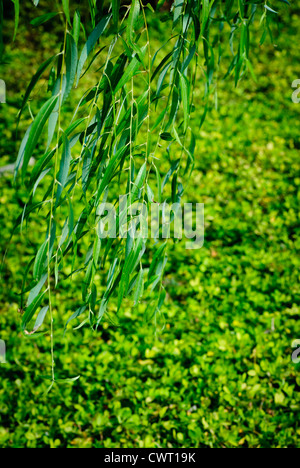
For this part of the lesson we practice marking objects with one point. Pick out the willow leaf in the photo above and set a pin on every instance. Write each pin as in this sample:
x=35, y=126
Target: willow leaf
x=159, y=185
x=39, y=320
x=60, y=85
x=30, y=311
x=178, y=6
x=115, y=10
x=90, y=44
x=130, y=71
x=184, y=85
x=42, y=19
x=140, y=179
x=39, y=179
x=131, y=24
x=34, y=81
x=64, y=169
x=139, y=289
x=205, y=15
x=157, y=258
x=36, y=290
x=71, y=64
x=21, y=153
x=128, y=269
x=66, y=8
x=109, y=172
x=17, y=17
x=40, y=260
x=36, y=130
x=76, y=26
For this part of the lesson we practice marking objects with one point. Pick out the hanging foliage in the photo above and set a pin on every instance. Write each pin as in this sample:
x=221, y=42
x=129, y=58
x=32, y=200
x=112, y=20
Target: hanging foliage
x=135, y=120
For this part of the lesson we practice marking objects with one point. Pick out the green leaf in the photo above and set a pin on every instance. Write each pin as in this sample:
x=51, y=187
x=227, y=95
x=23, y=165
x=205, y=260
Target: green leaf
x=40, y=260
x=60, y=84
x=42, y=19
x=132, y=21
x=160, y=4
x=71, y=64
x=48, y=390
x=139, y=289
x=150, y=7
x=129, y=267
x=36, y=290
x=36, y=130
x=159, y=184
x=66, y=9
x=162, y=64
x=138, y=182
x=64, y=169
x=130, y=71
x=76, y=27
x=161, y=78
x=21, y=153
x=109, y=172
x=184, y=85
x=17, y=17
x=189, y=58
x=115, y=11
x=68, y=381
x=86, y=169
x=39, y=179
x=161, y=299
x=157, y=259
x=178, y=6
x=30, y=311
x=40, y=318
x=270, y=9
x=150, y=194
x=34, y=81
x=76, y=314
x=159, y=119
x=171, y=171
x=166, y=136
x=205, y=15
x=39, y=166
x=27, y=210
x=71, y=215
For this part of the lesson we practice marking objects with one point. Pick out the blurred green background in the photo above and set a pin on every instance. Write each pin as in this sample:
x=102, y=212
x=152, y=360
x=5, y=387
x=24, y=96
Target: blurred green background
x=220, y=372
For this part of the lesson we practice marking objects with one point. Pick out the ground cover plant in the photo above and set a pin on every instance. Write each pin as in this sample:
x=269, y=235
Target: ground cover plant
x=220, y=374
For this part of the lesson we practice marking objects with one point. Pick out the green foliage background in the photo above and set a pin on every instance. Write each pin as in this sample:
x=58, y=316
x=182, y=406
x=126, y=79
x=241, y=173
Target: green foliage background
x=220, y=373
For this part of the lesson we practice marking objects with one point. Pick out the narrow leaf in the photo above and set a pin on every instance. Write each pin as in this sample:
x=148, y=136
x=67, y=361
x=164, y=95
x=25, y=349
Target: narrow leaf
x=64, y=169
x=66, y=9
x=42, y=19
x=139, y=287
x=36, y=290
x=90, y=44
x=40, y=260
x=30, y=311
x=115, y=10
x=34, y=81
x=71, y=64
